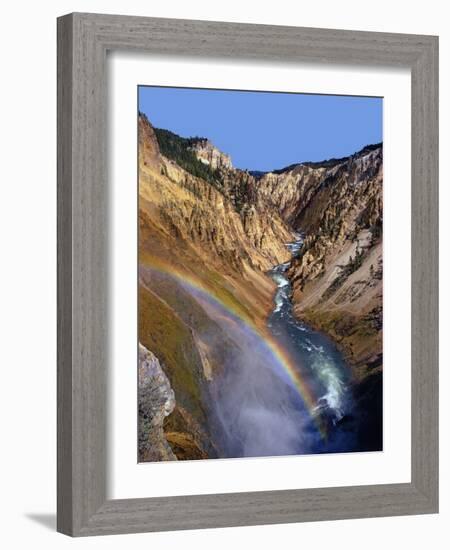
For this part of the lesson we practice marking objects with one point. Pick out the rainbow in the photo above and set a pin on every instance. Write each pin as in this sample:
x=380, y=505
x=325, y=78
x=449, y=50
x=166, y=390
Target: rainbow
x=231, y=313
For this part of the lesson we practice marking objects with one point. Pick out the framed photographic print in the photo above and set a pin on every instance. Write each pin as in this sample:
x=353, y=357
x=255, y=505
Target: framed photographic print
x=247, y=274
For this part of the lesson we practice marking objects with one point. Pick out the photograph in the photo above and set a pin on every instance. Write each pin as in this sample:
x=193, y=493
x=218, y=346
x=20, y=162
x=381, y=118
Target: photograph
x=221, y=275
x=260, y=307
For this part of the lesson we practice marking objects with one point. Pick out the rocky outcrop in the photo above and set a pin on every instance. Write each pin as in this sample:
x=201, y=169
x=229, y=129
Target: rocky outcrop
x=206, y=152
x=156, y=402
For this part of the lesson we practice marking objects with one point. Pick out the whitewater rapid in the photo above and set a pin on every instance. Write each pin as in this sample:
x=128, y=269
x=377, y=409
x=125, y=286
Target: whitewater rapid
x=262, y=408
x=319, y=362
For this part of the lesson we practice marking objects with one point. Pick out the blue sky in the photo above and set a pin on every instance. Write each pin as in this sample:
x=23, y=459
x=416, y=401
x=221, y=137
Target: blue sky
x=265, y=130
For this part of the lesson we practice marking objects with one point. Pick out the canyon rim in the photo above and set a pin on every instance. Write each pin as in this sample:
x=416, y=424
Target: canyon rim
x=260, y=274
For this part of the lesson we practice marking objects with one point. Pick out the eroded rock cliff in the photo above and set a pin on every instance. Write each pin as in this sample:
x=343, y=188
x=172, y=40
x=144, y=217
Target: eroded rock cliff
x=337, y=278
x=209, y=154
x=184, y=217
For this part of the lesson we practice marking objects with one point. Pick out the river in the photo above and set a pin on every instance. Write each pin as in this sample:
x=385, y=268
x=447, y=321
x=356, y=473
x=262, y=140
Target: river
x=333, y=425
x=287, y=394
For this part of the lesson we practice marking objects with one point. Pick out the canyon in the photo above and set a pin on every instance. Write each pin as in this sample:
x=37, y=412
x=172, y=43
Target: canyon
x=210, y=235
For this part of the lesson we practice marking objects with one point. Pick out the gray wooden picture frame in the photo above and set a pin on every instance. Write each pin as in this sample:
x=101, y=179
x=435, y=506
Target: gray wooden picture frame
x=83, y=42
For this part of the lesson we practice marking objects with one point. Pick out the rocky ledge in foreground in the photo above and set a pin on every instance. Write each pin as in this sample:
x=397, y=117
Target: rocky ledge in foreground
x=156, y=401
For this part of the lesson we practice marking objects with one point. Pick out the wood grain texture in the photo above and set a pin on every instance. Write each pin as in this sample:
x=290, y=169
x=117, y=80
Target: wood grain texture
x=424, y=277
x=64, y=251
x=83, y=207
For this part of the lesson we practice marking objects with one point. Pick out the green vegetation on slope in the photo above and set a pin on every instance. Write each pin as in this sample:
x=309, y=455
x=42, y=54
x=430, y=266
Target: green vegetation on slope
x=178, y=149
x=172, y=341
x=346, y=270
x=163, y=332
